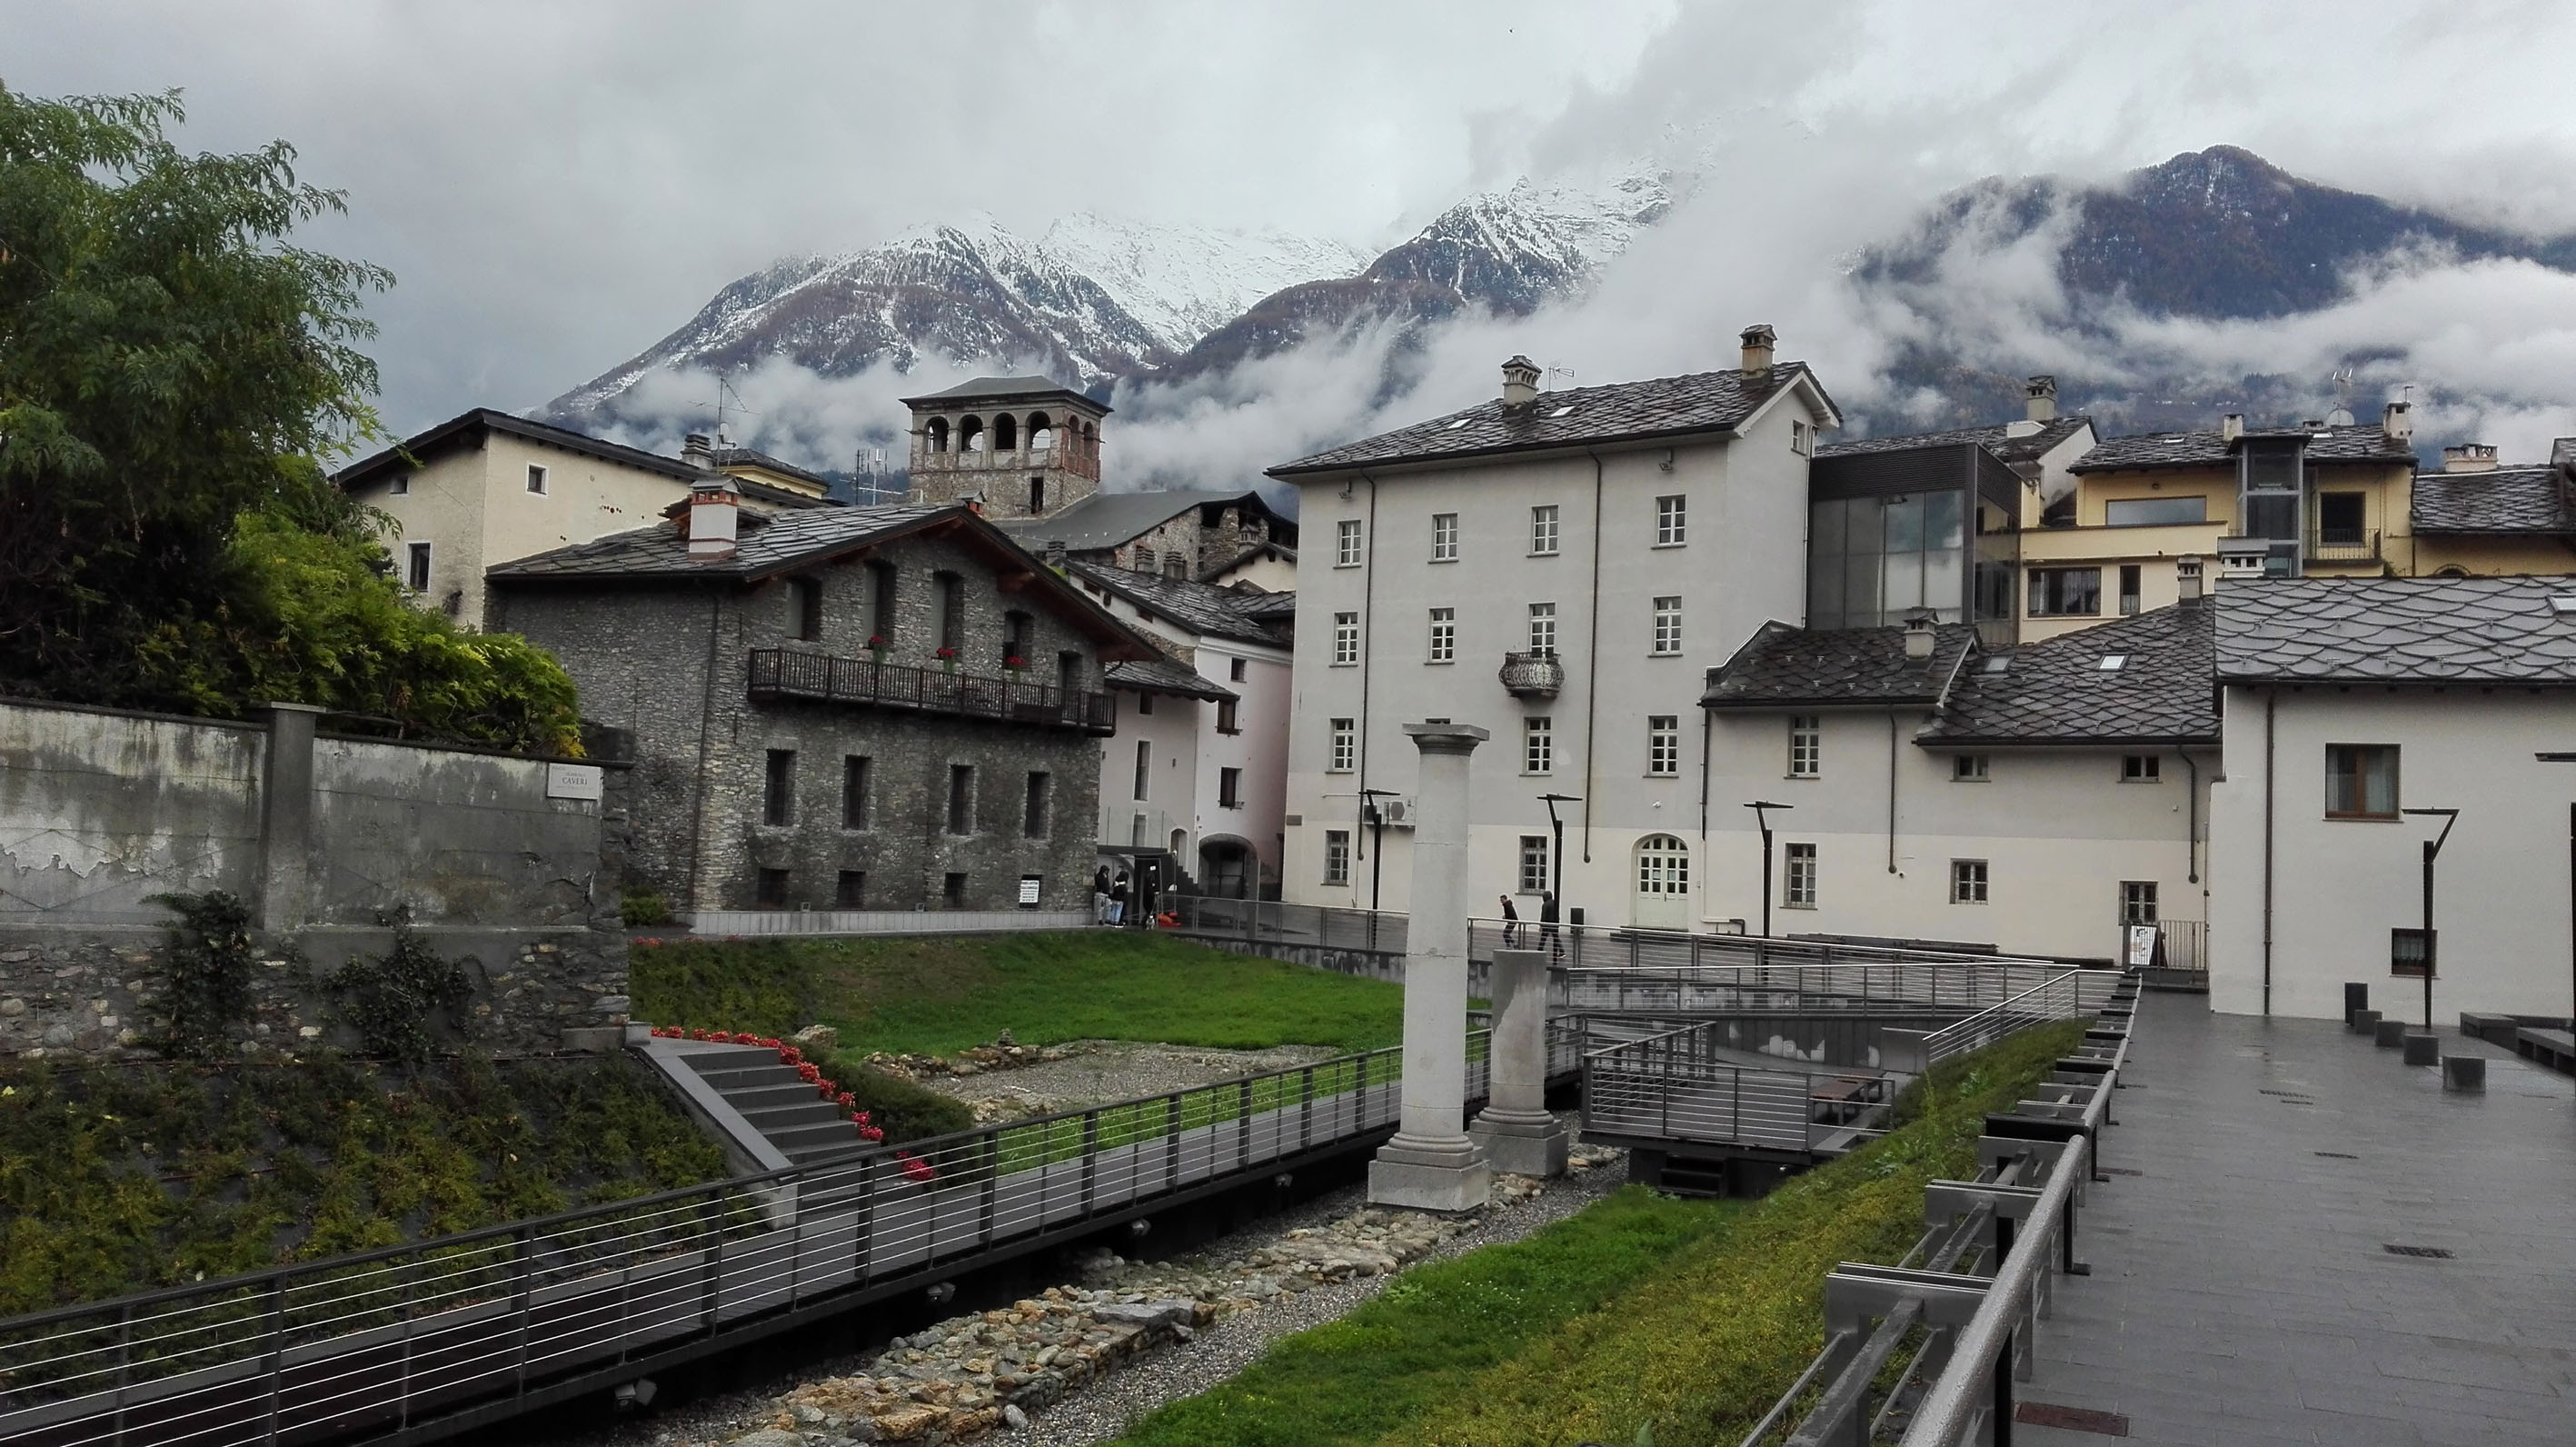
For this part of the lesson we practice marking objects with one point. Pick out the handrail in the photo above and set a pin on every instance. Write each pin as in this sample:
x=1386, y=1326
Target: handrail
x=795, y=673
x=1961, y=1036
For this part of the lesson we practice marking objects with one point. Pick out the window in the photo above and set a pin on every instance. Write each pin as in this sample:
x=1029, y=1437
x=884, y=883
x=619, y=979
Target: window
x=1543, y=529
x=1346, y=639
x=2142, y=768
x=952, y=613
x=1664, y=745
x=1534, y=864
x=1672, y=521
x=2130, y=575
x=805, y=608
x=1668, y=627
x=1538, y=746
x=1337, y=856
x=2140, y=512
x=778, y=795
x=2137, y=901
x=769, y=888
x=1802, y=438
x=1144, y=766
x=1229, y=788
x=1346, y=747
x=850, y=891
x=1235, y=669
x=855, y=772
x=1175, y=564
x=961, y=798
x=1144, y=703
x=952, y=891
x=1806, y=745
x=1068, y=673
x=1444, y=537
x=2340, y=519
x=1033, y=809
x=1967, y=881
x=536, y=479
x=881, y=602
x=419, y=572
x=2065, y=592
x=1037, y=496
x=1542, y=630
x=1444, y=635
x=401, y=486
x=1798, y=876
x=1663, y=866
x=1346, y=543
x=1225, y=717
x=2361, y=781
x=1968, y=768
x=1016, y=627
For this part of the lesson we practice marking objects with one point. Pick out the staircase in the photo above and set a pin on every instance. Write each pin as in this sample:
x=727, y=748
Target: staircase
x=767, y=1094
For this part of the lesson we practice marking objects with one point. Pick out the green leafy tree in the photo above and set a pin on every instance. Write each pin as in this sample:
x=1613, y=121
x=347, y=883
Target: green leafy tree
x=172, y=370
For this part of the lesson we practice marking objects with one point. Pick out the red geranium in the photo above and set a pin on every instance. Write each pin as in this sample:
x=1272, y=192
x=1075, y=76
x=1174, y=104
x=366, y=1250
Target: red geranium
x=870, y=1133
x=791, y=1055
x=946, y=652
x=876, y=640
x=915, y=1168
x=824, y=1085
x=851, y=1103
x=808, y=1072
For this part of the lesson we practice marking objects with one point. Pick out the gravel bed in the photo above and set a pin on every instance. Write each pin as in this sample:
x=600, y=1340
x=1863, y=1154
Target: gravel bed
x=1097, y=1071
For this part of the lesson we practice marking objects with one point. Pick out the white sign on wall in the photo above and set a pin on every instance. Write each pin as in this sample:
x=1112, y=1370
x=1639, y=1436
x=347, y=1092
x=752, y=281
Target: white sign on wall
x=1029, y=891
x=573, y=781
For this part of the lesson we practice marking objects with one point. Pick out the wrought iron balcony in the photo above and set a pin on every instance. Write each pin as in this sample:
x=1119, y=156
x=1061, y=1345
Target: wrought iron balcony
x=2332, y=545
x=1532, y=675
x=784, y=673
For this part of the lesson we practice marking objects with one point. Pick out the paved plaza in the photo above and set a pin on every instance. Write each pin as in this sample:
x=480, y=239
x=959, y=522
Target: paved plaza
x=2242, y=1287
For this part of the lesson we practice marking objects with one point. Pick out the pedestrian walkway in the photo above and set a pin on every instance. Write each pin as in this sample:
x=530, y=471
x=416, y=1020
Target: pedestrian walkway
x=2243, y=1287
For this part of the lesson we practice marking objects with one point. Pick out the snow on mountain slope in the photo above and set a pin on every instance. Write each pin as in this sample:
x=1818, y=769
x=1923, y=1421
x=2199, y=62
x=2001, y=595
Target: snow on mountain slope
x=1186, y=281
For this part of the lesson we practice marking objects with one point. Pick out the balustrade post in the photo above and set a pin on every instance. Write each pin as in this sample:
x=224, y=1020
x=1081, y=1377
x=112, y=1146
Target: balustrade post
x=522, y=1303
x=1172, y=1143
x=1090, y=1158
x=276, y=1349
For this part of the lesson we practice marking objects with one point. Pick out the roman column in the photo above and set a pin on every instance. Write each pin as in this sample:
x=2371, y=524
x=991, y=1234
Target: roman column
x=1431, y=1164
x=1516, y=1130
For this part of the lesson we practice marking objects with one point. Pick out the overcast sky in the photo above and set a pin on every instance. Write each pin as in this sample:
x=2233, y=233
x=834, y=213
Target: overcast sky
x=556, y=186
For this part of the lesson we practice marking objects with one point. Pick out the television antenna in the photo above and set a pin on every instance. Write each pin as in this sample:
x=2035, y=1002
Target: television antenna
x=1555, y=372
x=727, y=399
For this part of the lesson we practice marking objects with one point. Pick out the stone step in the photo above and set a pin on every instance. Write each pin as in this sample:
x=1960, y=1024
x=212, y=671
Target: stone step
x=750, y=1077
x=769, y=1119
x=728, y=1057
x=763, y=1097
x=827, y=1134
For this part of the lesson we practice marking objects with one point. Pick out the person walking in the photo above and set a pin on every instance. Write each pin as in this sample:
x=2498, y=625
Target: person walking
x=1511, y=923
x=1118, y=899
x=1100, y=894
x=1547, y=925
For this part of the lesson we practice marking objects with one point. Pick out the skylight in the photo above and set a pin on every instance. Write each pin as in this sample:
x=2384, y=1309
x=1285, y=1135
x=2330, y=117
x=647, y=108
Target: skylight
x=1998, y=663
x=2113, y=662
x=2562, y=604
x=1565, y=411
x=1461, y=422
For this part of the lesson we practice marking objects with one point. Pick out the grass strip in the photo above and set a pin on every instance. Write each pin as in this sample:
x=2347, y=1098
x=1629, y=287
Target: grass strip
x=1690, y=1337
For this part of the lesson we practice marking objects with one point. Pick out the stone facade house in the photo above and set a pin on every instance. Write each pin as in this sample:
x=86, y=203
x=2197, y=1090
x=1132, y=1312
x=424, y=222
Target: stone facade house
x=850, y=708
x=1197, y=536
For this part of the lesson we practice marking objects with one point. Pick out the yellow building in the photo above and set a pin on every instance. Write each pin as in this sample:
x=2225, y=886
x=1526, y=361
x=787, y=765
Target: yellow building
x=2322, y=500
x=2476, y=519
x=489, y=488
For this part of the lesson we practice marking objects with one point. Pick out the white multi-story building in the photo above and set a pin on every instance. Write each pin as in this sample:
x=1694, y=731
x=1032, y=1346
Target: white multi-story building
x=1560, y=568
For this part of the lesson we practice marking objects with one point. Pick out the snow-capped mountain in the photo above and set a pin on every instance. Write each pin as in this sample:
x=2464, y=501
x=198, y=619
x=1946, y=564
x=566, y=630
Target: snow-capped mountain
x=1183, y=282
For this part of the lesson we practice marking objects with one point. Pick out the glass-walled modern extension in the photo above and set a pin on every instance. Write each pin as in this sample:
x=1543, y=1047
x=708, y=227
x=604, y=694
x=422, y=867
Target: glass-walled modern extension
x=1899, y=532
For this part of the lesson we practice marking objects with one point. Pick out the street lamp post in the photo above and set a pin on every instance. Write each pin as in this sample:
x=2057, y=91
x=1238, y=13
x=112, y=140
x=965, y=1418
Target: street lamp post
x=1376, y=818
x=2432, y=848
x=1762, y=820
x=2571, y=885
x=1556, y=847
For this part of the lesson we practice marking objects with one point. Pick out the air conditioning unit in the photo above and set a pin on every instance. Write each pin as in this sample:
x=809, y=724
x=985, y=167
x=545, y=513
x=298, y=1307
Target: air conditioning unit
x=1397, y=813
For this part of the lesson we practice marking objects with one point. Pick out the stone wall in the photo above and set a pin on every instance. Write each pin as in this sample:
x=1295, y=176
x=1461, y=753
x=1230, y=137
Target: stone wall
x=68, y=992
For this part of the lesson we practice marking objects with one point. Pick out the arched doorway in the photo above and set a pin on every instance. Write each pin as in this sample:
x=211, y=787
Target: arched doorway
x=1226, y=868
x=1663, y=883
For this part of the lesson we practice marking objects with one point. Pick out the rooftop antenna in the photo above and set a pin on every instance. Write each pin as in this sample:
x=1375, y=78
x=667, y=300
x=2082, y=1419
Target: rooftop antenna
x=725, y=396
x=2341, y=416
x=1555, y=372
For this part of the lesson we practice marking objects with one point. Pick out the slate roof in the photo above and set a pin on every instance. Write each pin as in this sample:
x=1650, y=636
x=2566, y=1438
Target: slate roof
x=2057, y=692
x=2028, y=448
x=1165, y=676
x=1107, y=520
x=1620, y=412
x=2397, y=630
x=1274, y=608
x=2359, y=443
x=2507, y=500
x=763, y=545
x=724, y=457
x=1781, y=666
x=1001, y=389
x=1203, y=608
x=469, y=426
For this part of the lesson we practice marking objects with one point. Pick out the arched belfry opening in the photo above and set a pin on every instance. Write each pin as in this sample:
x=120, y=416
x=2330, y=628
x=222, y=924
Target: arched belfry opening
x=1005, y=439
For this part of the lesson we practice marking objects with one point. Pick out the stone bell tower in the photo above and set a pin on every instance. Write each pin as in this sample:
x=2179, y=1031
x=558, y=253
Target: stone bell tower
x=1023, y=446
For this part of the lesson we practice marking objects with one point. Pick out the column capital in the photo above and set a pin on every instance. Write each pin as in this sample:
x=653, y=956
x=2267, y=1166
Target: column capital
x=1440, y=736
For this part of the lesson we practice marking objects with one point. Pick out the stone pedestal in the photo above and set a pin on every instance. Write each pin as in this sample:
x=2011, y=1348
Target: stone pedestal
x=1516, y=1129
x=1431, y=1164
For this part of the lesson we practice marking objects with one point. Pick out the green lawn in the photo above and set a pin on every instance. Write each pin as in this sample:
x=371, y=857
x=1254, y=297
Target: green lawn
x=940, y=995
x=1687, y=1318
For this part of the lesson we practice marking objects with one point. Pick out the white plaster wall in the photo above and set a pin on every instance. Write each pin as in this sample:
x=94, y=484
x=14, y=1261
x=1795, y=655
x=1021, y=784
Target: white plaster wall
x=1172, y=731
x=1744, y=564
x=1260, y=749
x=2340, y=885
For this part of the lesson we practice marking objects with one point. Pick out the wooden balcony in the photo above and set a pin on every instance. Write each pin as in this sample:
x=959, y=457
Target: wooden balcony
x=784, y=673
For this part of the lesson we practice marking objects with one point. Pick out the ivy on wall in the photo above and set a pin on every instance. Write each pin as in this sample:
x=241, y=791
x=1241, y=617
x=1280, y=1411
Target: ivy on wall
x=390, y=999
x=205, y=985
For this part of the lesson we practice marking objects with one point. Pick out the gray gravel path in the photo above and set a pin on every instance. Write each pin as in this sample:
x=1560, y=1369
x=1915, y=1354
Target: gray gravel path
x=1108, y=1070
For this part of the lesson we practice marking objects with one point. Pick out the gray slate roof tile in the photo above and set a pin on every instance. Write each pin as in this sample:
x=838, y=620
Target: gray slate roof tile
x=2397, y=630
x=1111, y=519
x=1166, y=676
x=2057, y=692
x=2360, y=443
x=1782, y=667
x=1204, y=608
x=762, y=545
x=2507, y=500
x=1661, y=406
x=2011, y=449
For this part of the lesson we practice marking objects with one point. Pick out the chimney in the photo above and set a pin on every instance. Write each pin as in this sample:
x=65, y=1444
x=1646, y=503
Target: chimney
x=1919, y=637
x=2469, y=457
x=2039, y=398
x=1055, y=554
x=2231, y=426
x=696, y=453
x=1759, y=340
x=2187, y=579
x=1520, y=382
x=2397, y=422
x=713, y=510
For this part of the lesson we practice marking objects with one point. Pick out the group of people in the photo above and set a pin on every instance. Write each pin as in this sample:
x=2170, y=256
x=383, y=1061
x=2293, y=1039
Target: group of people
x=1514, y=933
x=1109, y=896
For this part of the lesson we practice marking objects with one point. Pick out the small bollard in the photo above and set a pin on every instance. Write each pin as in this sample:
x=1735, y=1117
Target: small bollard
x=2392, y=1033
x=2465, y=1073
x=2356, y=998
x=2423, y=1049
x=2365, y=1022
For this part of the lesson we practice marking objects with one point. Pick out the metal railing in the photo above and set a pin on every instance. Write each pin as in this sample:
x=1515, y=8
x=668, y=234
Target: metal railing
x=2060, y=997
x=510, y=1317
x=1682, y=1085
x=789, y=673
